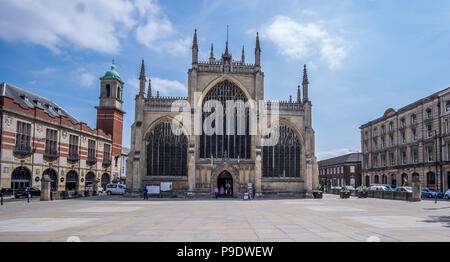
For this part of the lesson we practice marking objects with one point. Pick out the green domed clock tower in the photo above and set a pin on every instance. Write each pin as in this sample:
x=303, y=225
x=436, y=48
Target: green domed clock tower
x=109, y=110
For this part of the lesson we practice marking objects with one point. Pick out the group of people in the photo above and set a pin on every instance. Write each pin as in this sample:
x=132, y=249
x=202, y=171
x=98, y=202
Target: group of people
x=223, y=192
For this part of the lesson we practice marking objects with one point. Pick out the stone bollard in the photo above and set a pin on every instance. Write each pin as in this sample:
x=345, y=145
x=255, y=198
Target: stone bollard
x=45, y=188
x=416, y=189
x=95, y=182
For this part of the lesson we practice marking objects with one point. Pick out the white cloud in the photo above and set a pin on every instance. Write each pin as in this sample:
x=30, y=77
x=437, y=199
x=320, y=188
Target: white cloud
x=97, y=25
x=44, y=71
x=167, y=87
x=307, y=12
x=87, y=79
x=335, y=153
x=301, y=41
x=134, y=84
x=164, y=86
x=158, y=33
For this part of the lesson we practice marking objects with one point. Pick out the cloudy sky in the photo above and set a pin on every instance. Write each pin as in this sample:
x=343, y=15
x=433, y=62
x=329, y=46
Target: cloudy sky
x=363, y=56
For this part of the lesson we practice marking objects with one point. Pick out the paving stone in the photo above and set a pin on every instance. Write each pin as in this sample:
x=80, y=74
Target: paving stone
x=115, y=218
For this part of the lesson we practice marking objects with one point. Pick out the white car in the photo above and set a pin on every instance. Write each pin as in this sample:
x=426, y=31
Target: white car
x=447, y=194
x=91, y=188
x=115, y=189
x=378, y=188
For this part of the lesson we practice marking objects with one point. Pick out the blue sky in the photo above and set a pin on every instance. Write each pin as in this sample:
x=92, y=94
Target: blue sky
x=363, y=56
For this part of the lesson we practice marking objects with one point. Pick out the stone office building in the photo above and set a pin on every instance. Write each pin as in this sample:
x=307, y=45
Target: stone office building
x=341, y=171
x=196, y=163
x=39, y=137
x=413, y=141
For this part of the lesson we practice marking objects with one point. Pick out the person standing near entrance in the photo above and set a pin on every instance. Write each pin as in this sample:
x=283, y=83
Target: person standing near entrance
x=221, y=191
x=216, y=192
x=145, y=193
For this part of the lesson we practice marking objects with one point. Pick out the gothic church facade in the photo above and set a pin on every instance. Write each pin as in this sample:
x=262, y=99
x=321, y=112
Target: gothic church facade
x=196, y=163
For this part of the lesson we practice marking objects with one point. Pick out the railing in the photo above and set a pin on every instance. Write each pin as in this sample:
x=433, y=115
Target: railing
x=161, y=102
x=106, y=162
x=285, y=105
x=235, y=67
x=51, y=153
x=22, y=149
x=91, y=160
x=73, y=157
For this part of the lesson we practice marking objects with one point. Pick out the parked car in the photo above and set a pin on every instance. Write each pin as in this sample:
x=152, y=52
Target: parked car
x=23, y=192
x=389, y=187
x=404, y=189
x=351, y=188
x=336, y=187
x=115, y=189
x=447, y=194
x=100, y=189
x=378, y=188
x=430, y=193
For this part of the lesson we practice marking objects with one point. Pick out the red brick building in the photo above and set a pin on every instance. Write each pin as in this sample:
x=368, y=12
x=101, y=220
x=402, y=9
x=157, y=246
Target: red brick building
x=39, y=137
x=341, y=171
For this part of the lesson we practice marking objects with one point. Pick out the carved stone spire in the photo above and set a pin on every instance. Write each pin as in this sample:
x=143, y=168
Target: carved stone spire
x=226, y=44
x=257, y=41
x=226, y=57
x=142, y=79
x=194, y=42
x=195, y=49
x=243, y=56
x=305, y=84
x=149, y=89
x=257, y=51
x=142, y=74
x=211, y=57
x=305, y=75
x=299, y=99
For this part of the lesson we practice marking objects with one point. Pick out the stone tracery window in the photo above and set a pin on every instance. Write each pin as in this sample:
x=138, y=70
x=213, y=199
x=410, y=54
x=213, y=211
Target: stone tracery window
x=166, y=151
x=284, y=158
x=235, y=145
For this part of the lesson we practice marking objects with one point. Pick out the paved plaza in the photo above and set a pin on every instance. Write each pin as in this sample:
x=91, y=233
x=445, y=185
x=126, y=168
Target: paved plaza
x=115, y=218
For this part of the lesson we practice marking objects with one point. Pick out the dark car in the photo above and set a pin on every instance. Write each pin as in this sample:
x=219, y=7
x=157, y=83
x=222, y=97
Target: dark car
x=23, y=192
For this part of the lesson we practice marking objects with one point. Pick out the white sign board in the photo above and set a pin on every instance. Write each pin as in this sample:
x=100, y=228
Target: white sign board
x=153, y=189
x=166, y=186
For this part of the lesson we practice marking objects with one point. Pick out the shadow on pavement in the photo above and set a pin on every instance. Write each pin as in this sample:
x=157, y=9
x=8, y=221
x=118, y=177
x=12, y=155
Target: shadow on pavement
x=439, y=219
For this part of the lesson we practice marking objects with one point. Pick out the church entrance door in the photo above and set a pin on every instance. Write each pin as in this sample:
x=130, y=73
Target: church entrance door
x=225, y=181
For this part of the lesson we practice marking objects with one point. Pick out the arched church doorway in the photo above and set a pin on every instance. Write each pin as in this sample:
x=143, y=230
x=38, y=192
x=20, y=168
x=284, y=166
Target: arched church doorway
x=225, y=181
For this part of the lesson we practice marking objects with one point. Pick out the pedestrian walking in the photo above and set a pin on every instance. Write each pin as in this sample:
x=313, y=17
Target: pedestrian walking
x=1, y=196
x=28, y=195
x=222, y=191
x=145, y=193
x=216, y=192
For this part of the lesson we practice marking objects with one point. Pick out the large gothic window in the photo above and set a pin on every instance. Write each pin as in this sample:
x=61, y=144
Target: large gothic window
x=236, y=143
x=166, y=152
x=284, y=158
